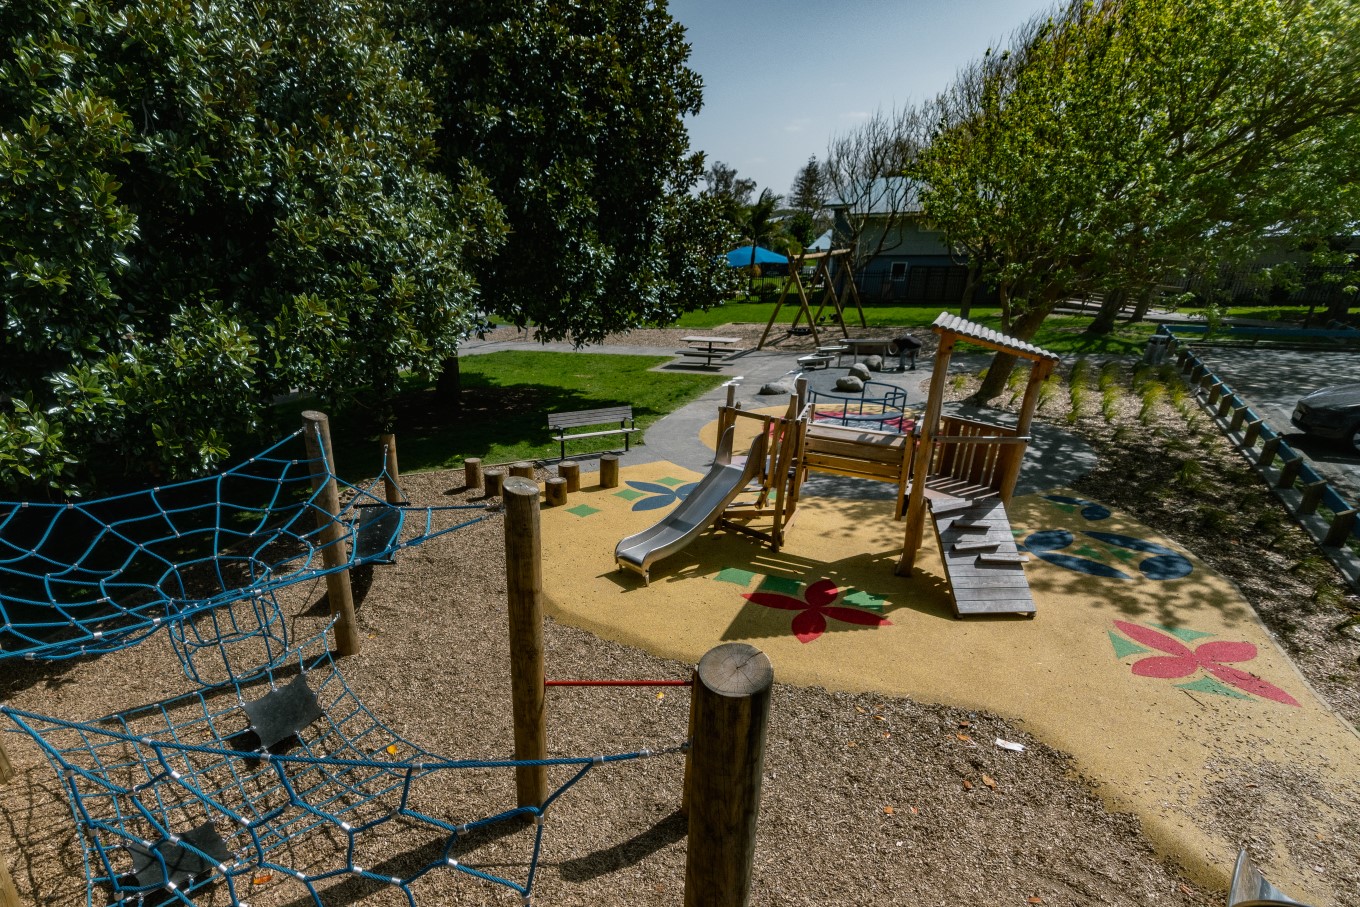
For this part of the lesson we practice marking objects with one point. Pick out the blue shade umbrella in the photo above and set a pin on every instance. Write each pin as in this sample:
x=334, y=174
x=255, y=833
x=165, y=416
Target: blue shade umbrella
x=740, y=257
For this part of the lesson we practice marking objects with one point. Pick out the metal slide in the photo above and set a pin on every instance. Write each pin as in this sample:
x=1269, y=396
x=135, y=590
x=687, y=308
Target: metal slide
x=704, y=505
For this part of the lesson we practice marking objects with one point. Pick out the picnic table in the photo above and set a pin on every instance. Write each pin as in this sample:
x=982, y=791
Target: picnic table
x=709, y=348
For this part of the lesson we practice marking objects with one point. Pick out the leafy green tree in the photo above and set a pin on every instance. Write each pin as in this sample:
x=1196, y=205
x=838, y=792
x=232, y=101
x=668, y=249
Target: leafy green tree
x=574, y=112
x=202, y=206
x=1125, y=141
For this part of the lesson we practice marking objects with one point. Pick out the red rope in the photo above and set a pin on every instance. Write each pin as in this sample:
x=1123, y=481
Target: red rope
x=617, y=683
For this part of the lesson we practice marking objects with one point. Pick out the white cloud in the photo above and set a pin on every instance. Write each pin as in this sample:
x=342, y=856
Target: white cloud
x=798, y=125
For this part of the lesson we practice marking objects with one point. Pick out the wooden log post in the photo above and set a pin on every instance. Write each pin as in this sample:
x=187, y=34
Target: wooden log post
x=1239, y=417
x=391, y=473
x=472, y=473
x=524, y=592
x=730, y=712
x=1182, y=357
x=571, y=471
x=1225, y=406
x=801, y=390
x=522, y=469
x=1252, y=433
x=339, y=594
x=555, y=491
x=1343, y=525
x=1215, y=391
x=609, y=471
x=494, y=479
x=1312, y=497
x=1269, y=448
x=1289, y=472
x=9, y=895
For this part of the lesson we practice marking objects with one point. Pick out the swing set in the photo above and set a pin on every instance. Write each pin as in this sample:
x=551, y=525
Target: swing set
x=840, y=290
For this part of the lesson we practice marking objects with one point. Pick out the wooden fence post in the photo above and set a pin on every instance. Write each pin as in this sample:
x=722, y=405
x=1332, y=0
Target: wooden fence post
x=1252, y=433
x=1343, y=524
x=391, y=474
x=1225, y=406
x=731, y=708
x=1289, y=472
x=571, y=471
x=1239, y=416
x=339, y=594
x=1269, y=448
x=1312, y=497
x=472, y=473
x=524, y=592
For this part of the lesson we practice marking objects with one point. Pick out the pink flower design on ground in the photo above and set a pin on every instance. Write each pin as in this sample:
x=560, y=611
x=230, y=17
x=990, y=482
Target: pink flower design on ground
x=810, y=621
x=1181, y=661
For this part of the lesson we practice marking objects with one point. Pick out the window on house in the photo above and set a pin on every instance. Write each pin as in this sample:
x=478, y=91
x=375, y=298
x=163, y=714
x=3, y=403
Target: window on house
x=899, y=271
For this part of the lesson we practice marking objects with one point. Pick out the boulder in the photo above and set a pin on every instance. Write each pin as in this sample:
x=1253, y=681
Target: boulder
x=850, y=383
x=860, y=371
x=782, y=387
x=875, y=363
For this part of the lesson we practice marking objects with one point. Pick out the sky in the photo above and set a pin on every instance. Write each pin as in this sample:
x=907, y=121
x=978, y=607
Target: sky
x=782, y=77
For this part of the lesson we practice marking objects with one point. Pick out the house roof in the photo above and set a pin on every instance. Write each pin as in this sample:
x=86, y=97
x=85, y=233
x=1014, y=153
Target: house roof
x=885, y=195
x=976, y=333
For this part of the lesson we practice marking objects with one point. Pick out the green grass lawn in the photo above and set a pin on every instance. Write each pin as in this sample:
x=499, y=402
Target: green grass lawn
x=502, y=412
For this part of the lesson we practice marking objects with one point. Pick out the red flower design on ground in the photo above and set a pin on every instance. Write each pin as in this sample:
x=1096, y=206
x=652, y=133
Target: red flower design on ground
x=814, y=608
x=1181, y=661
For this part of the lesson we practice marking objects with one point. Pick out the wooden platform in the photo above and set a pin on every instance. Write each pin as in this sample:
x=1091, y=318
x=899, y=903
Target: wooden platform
x=984, y=569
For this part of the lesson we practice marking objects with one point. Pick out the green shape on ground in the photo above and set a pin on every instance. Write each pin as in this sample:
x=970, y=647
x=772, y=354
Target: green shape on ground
x=1066, y=508
x=735, y=575
x=630, y=494
x=671, y=482
x=1209, y=685
x=1087, y=551
x=781, y=585
x=1123, y=648
x=582, y=510
x=864, y=600
x=1182, y=633
x=1124, y=554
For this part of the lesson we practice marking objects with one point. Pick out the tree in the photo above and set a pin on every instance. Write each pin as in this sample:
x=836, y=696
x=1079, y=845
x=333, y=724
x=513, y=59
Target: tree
x=202, y=206
x=1124, y=141
x=574, y=113
x=759, y=224
x=809, y=189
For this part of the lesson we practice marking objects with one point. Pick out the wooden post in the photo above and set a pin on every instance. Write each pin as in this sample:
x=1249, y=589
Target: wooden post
x=1312, y=497
x=572, y=473
x=494, y=478
x=801, y=388
x=1015, y=454
x=339, y=594
x=1215, y=391
x=6, y=769
x=522, y=469
x=930, y=422
x=1289, y=472
x=609, y=471
x=1269, y=447
x=1343, y=524
x=555, y=491
x=1239, y=416
x=524, y=592
x=1252, y=433
x=1182, y=356
x=472, y=473
x=1225, y=406
x=9, y=895
x=730, y=711
x=391, y=474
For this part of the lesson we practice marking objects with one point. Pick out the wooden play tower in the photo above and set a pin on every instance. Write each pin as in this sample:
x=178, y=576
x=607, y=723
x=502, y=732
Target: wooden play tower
x=963, y=474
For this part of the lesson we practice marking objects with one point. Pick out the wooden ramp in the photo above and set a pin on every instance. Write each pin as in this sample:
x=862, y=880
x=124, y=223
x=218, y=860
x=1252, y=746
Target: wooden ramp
x=984, y=569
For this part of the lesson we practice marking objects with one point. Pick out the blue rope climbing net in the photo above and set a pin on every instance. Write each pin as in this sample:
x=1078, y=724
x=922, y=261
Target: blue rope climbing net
x=287, y=782
x=95, y=576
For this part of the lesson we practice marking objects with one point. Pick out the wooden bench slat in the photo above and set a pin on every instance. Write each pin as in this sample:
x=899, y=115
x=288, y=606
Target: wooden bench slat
x=560, y=422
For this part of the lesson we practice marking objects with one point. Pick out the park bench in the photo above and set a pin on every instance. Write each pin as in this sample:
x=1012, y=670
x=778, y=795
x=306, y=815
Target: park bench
x=585, y=418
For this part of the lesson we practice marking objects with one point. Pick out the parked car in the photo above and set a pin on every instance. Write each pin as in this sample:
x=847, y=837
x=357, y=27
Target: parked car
x=1331, y=412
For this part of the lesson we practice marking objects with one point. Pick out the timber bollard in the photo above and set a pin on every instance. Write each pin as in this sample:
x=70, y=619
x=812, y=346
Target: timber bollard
x=555, y=492
x=1312, y=497
x=524, y=592
x=9, y=895
x=494, y=479
x=729, y=713
x=1215, y=391
x=1225, y=406
x=472, y=473
x=522, y=469
x=1343, y=524
x=391, y=474
x=1239, y=416
x=339, y=594
x=6, y=769
x=1252, y=433
x=1289, y=472
x=609, y=471
x=1269, y=448
x=572, y=473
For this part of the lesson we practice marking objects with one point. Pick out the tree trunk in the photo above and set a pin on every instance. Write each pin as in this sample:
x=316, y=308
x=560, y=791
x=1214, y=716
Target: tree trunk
x=449, y=388
x=1144, y=304
x=1023, y=328
x=1104, y=321
x=969, y=290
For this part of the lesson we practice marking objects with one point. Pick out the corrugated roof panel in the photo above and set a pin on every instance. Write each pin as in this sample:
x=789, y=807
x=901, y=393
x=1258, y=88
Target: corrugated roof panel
x=970, y=330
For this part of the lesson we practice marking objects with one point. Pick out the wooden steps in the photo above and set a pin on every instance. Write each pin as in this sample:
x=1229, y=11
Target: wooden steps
x=984, y=568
